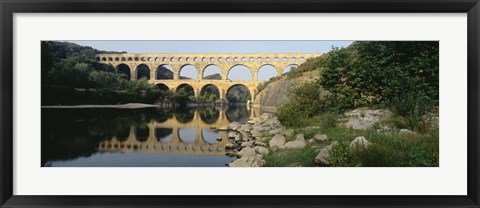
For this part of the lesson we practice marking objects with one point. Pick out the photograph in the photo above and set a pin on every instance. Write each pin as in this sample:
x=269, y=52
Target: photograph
x=239, y=103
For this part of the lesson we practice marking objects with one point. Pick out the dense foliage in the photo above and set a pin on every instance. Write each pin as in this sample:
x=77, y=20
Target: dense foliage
x=399, y=75
x=382, y=73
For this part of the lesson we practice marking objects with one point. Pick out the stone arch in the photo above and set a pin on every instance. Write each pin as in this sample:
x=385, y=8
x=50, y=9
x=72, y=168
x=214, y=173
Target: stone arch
x=186, y=88
x=142, y=71
x=136, y=59
x=210, y=136
x=124, y=70
x=162, y=86
x=163, y=134
x=187, y=135
x=234, y=74
x=130, y=59
x=104, y=59
x=239, y=98
x=210, y=71
x=189, y=72
x=117, y=59
x=123, y=59
x=164, y=71
x=210, y=92
x=110, y=59
x=289, y=68
x=266, y=72
x=122, y=133
x=142, y=133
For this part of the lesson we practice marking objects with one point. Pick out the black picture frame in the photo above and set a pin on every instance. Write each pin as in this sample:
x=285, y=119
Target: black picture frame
x=9, y=7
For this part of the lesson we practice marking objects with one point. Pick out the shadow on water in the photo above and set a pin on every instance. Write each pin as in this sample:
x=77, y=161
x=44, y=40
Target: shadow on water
x=136, y=137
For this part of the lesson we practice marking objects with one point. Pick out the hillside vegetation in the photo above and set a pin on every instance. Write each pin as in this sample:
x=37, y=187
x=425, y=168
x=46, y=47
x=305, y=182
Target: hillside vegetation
x=398, y=77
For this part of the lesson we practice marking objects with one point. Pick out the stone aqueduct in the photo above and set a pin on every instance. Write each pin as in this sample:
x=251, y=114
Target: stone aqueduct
x=225, y=62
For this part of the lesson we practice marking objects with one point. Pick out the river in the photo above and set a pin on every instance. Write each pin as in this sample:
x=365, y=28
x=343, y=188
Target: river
x=148, y=137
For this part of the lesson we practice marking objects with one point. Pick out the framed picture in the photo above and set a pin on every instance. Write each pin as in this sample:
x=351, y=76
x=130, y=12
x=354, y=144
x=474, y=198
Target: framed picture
x=258, y=104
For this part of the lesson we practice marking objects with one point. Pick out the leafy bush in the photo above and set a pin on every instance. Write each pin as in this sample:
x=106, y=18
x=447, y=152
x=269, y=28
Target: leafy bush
x=380, y=72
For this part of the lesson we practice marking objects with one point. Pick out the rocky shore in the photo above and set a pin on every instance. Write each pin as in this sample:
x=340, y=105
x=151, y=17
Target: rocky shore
x=258, y=137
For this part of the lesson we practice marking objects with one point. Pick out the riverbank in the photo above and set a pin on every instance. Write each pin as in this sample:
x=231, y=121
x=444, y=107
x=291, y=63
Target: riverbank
x=328, y=141
x=120, y=106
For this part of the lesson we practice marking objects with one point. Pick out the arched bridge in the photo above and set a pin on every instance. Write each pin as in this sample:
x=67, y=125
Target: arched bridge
x=133, y=64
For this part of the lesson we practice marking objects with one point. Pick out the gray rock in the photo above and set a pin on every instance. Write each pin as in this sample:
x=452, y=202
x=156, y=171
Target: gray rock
x=229, y=146
x=360, y=142
x=262, y=150
x=256, y=134
x=311, y=140
x=365, y=119
x=295, y=144
x=277, y=141
x=247, y=151
x=275, y=131
x=248, y=161
x=299, y=137
x=320, y=137
x=247, y=144
x=232, y=134
x=323, y=157
x=245, y=127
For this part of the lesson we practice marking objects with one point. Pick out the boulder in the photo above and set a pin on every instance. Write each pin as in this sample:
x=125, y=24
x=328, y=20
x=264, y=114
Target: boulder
x=299, y=137
x=232, y=134
x=247, y=161
x=360, y=142
x=247, y=151
x=323, y=157
x=245, y=127
x=247, y=144
x=229, y=146
x=320, y=137
x=365, y=119
x=256, y=134
x=275, y=131
x=277, y=141
x=262, y=150
x=296, y=144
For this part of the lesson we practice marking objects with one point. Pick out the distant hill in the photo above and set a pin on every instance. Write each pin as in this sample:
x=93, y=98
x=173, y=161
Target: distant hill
x=213, y=76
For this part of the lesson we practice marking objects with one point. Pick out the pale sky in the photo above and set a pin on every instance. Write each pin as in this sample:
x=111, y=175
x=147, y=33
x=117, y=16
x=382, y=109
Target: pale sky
x=238, y=72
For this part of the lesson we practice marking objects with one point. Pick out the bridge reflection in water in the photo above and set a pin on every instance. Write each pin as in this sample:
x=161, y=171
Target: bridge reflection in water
x=147, y=137
x=197, y=135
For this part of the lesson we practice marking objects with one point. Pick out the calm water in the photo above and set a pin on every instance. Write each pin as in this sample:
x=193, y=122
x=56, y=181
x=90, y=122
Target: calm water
x=137, y=137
